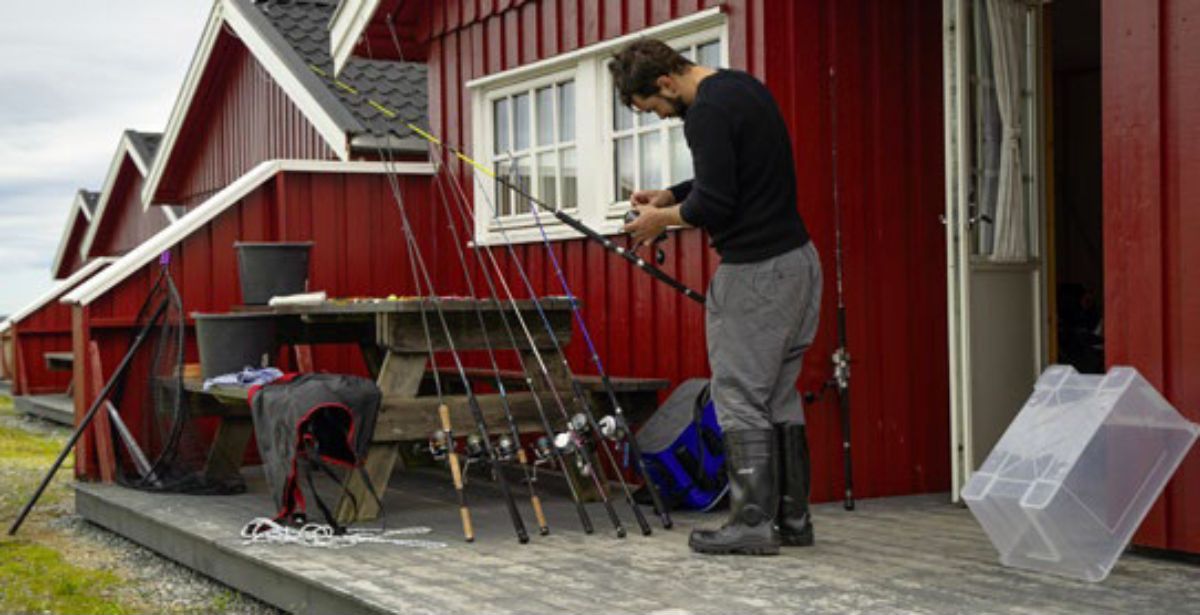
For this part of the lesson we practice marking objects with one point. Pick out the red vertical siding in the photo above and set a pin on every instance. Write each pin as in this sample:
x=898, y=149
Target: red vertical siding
x=240, y=117
x=125, y=223
x=888, y=58
x=72, y=260
x=1151, y=115
x=353, y=220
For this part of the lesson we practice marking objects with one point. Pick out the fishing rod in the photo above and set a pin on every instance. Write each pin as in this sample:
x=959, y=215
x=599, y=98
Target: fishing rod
x=629, y=255
x=616, y=426
x=417, y=262
x=550, y=453
x=512, y=449
x=585, y=421
x=841, y=356
x=101, y=397
x=571, y=440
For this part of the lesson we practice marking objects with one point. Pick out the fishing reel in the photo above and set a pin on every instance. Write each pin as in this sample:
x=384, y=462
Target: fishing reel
x=440, y=445
x=505, y=449
x=660, y=256
x=569, y=444
x=612, y=428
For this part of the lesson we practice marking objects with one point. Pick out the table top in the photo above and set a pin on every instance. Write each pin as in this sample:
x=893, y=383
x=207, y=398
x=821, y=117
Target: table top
x=346, y=307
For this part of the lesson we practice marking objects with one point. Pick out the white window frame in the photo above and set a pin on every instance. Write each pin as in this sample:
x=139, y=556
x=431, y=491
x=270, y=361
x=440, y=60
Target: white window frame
x=595, y=185
x=519, y=221
x=616, y=208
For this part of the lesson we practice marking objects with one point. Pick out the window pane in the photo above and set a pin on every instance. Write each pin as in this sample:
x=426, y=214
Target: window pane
x=546, y=179
x=503, y=202
x=681, y=156
x=521, y=122
x=622, y=115
x=524, y=182
x=570, y=184
x=566, y=111
x=687, y=53
x=710, y=54
x=624, y=164
x=545, y=116
x=651, y=160
x=500, y=121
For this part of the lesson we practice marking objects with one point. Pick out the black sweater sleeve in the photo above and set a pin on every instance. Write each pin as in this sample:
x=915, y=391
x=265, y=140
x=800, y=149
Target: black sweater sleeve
x=714, y=195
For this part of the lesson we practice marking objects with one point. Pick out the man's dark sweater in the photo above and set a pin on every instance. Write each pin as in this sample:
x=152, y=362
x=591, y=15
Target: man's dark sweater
x=744, y=191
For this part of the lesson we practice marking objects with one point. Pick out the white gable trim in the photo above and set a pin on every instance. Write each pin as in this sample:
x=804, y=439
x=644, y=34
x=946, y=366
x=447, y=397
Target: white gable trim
x=59, y=288
x=124, y=149
x=234, y=14
x=78, y=208
x=347, y=27
x=202, y=214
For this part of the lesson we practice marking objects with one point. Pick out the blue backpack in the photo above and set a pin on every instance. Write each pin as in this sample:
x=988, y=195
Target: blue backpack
x=682, y=446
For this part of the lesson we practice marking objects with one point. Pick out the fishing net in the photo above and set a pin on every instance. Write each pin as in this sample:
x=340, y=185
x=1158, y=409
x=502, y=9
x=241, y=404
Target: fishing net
x=165, y=445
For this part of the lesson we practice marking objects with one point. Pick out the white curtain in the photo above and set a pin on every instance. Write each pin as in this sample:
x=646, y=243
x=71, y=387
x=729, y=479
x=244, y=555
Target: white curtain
x=1006, y=25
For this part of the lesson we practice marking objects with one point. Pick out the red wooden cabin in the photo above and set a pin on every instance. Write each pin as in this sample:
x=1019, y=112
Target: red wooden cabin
x=947, y=330
x=261, y=148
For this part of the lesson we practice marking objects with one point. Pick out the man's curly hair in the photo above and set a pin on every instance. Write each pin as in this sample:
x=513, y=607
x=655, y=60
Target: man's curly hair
x=637, y=66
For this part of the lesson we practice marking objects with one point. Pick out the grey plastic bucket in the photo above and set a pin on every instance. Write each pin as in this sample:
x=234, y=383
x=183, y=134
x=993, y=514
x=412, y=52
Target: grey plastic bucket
x=271, y=269
x=230, y=342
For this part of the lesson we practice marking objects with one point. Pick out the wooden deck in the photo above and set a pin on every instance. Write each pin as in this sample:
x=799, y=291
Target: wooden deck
x=899, y=555
x=57, y=408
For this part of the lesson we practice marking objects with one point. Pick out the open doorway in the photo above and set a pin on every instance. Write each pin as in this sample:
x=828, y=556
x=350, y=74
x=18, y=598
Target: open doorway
x=1076, y=214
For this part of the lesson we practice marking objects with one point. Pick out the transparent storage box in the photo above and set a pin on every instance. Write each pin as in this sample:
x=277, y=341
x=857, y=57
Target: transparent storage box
x=1071, y=479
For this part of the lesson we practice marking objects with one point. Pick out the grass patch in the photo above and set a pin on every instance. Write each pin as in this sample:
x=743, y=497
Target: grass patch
x=38, y=579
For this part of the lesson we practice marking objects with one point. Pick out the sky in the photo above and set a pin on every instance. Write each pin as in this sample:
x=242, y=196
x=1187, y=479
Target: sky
x=74, y=74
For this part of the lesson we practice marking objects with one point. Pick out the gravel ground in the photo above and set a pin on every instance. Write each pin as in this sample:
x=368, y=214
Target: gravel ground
x=154, y=583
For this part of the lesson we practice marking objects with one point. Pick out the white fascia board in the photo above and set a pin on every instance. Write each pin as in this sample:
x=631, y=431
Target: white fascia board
x=124, y=149
x=349, y=23
x=61, y=287
x=183, y=102
x=202, y=214
x=696, y=21
x=78, y=208
x=292, y=84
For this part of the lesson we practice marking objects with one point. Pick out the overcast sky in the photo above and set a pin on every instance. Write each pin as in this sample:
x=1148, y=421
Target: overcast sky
x=73, y=75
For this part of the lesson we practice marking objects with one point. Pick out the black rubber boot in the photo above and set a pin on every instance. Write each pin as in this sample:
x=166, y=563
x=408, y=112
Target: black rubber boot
x=795, y=523
x=753, y=499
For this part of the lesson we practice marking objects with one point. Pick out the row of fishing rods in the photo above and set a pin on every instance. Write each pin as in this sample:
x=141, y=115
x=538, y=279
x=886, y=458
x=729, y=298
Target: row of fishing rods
x=582, y=437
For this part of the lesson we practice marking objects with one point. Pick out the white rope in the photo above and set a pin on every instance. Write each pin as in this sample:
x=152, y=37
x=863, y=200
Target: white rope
x=316, y=535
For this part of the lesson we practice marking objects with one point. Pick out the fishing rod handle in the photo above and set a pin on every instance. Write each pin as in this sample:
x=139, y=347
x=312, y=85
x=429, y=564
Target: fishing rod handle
x=456, y=473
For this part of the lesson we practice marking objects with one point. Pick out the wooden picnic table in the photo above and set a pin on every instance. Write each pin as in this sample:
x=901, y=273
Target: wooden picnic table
x=391, y=336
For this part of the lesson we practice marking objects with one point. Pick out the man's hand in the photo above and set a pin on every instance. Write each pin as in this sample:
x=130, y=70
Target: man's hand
x=651, y=222
x=652, y=198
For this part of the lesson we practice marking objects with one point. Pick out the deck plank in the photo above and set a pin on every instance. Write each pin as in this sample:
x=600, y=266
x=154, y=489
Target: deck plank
x=915, y=554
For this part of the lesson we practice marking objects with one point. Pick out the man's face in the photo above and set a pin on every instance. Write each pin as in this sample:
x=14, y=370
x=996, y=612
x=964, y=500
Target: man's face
x=662, y=105
x=666, y=103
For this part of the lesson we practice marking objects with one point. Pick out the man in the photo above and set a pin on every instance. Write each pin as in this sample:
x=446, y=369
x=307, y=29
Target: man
x=763, y=301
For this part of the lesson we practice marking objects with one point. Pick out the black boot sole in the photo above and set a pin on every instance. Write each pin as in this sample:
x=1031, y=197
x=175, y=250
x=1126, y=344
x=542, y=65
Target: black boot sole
x=741, y=549
x=799, y=540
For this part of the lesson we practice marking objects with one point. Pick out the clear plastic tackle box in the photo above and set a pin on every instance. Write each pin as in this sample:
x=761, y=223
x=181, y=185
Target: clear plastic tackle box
x=1071, y=479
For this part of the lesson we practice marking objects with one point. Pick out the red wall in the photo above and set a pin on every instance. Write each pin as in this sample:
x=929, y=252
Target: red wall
x=1151, y=99
x=888, y=58
x=72, y=261
x=125, y=224
x=353, y=220
x=46, y=330
x=239, y=118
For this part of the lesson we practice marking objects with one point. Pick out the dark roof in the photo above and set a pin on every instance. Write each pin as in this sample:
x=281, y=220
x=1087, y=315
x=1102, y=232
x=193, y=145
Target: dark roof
x=89, y=201
x=399, y=86
x=146, y=144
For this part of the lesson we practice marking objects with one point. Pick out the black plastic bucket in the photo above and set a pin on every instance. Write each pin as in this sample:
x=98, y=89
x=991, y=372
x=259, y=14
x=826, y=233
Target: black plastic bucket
x=230, y=342
x=271, y=269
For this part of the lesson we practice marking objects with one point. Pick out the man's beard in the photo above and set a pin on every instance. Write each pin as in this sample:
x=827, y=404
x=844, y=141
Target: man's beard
x=678, y=107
